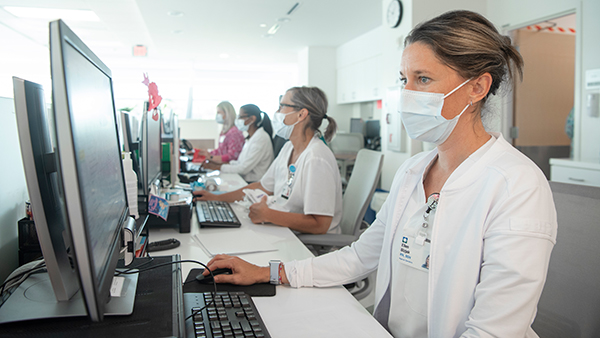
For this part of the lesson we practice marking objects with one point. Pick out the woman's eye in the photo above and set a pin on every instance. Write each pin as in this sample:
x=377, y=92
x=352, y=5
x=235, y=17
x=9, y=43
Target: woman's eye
x=403, y=81
x=424, y=80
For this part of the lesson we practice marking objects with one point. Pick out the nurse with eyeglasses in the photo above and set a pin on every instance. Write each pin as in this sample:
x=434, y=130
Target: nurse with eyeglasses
x=303, y=183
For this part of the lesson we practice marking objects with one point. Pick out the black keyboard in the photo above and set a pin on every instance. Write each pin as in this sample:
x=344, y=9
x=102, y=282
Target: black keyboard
x=216, y=214
x=232, y=315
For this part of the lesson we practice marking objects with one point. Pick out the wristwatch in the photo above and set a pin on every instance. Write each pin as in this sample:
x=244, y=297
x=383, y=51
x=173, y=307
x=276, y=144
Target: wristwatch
x=275, y=265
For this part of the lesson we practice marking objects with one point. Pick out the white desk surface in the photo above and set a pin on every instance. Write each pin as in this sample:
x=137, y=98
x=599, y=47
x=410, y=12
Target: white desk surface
x=304, y=312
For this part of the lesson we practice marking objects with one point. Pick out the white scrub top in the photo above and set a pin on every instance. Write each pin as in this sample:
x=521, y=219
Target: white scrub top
x=255, y=158
x=316, y=188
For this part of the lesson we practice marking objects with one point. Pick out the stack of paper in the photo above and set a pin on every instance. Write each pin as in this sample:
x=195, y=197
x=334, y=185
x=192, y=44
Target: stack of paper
x=232, y=241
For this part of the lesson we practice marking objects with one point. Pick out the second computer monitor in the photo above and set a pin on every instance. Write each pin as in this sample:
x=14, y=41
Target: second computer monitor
x=150, y=149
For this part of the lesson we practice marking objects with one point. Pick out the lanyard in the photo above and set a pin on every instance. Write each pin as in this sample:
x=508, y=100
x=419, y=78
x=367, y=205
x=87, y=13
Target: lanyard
x=291, y=175
x=432, y=203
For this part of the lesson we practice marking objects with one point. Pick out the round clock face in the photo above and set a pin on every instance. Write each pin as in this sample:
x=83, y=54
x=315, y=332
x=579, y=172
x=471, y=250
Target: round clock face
x=394, y=13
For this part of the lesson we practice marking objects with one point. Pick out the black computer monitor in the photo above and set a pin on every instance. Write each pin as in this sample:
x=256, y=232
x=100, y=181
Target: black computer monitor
x=60, y=292
x=356, y=125
x=372, y=136
x=43, y=183
x=90, y=163
x=150, y=149
x=372, y=128
x=129, y=141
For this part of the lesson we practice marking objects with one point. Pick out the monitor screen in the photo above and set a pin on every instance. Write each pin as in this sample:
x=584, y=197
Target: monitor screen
x=90, y=161
x=356, y=125
x=372, y=128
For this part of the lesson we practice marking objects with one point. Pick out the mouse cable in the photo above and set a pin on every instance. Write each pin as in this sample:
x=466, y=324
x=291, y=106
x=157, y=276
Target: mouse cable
x=181, y=261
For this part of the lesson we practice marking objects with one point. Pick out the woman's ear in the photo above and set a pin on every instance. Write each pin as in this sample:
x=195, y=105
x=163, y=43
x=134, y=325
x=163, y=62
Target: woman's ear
x=303, y=114
x=252, y=120
x=480, y=87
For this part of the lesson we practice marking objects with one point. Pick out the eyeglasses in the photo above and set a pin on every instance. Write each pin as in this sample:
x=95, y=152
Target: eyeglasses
x=281, y=105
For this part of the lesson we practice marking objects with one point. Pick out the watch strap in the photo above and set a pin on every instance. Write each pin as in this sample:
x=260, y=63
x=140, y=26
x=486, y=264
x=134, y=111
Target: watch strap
x=275, y=267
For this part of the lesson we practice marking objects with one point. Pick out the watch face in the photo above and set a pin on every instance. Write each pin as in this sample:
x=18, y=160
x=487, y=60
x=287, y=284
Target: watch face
x=394, y=13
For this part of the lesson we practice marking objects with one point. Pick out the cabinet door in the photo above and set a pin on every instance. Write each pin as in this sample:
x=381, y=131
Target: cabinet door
x=343, y=85
x=371, y=89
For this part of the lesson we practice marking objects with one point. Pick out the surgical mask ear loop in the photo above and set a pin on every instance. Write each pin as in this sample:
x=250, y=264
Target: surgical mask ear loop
x=457, y=88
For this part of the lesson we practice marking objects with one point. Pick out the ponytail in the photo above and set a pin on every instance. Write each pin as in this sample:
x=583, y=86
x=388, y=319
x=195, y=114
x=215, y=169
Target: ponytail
x=331, y=129
x=262, y=119
x=265, y=123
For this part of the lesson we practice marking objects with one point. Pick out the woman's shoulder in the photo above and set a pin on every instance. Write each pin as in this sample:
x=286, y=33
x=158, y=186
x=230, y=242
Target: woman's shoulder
x=234, y=133
x=516, y=170
x=260, y=133
x=317, y=149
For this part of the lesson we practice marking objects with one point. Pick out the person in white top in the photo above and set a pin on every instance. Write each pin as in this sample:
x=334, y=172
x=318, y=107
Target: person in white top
x=304, y=180
x=462, y=244
x=257, y=153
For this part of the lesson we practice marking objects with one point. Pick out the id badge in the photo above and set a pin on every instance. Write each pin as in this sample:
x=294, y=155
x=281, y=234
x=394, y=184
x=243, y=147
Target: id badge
x=414, y=254
x=287, y=190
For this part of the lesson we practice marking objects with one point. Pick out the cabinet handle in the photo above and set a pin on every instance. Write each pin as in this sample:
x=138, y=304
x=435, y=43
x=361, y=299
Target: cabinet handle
x=577, y=179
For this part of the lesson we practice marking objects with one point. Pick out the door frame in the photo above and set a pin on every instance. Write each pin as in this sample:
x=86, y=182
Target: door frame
x=507, y=100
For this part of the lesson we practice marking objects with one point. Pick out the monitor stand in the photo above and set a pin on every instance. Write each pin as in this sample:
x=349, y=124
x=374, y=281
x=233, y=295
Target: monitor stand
x=34, y=299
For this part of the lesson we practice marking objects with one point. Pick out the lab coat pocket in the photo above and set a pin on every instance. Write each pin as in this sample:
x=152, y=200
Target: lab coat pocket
x=415, y=291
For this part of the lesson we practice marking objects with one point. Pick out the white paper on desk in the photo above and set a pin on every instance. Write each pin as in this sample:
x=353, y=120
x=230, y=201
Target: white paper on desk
x=232, y=241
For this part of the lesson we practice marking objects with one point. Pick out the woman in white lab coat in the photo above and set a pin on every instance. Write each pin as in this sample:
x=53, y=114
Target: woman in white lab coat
x=257, y=153
x=303, y=182
x=462, y=244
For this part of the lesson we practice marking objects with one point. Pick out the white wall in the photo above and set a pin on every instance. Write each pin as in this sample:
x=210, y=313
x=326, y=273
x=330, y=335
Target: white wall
x=318, y=68
x=14, y=189
x=199, y=129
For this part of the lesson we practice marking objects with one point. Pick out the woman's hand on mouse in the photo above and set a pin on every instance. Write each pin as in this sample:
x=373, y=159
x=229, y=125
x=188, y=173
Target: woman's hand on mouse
x=204, y=195
x=243, y=273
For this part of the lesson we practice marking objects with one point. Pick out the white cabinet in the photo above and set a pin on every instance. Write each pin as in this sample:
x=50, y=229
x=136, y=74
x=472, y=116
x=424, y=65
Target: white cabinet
x=573, y=172
x=360, y=81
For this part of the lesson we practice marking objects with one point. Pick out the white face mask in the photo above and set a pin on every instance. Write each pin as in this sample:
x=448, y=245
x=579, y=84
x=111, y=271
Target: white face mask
x=421, y=113
x=282, y=129
x=220, y=119
x=241, y=124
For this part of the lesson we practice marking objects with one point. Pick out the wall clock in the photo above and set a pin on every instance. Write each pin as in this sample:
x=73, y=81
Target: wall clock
x=394, y=13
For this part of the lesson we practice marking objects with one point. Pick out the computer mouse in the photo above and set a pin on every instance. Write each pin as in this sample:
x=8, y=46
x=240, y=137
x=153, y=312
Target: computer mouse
x=208, y=278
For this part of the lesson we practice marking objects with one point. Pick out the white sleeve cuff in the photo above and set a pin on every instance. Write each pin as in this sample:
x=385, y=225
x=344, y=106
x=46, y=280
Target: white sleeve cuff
x=299, y=273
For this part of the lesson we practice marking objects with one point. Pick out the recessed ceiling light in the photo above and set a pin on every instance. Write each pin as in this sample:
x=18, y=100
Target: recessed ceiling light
x=273, y=29
x=283, y=20
x=175, y=13
x=263, y=25
x=52, y=13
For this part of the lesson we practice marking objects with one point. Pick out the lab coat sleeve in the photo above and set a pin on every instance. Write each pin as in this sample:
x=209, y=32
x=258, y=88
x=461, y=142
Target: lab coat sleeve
x=516, y=251
x=349, y=264
x=252, y=158
x=346, y=265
